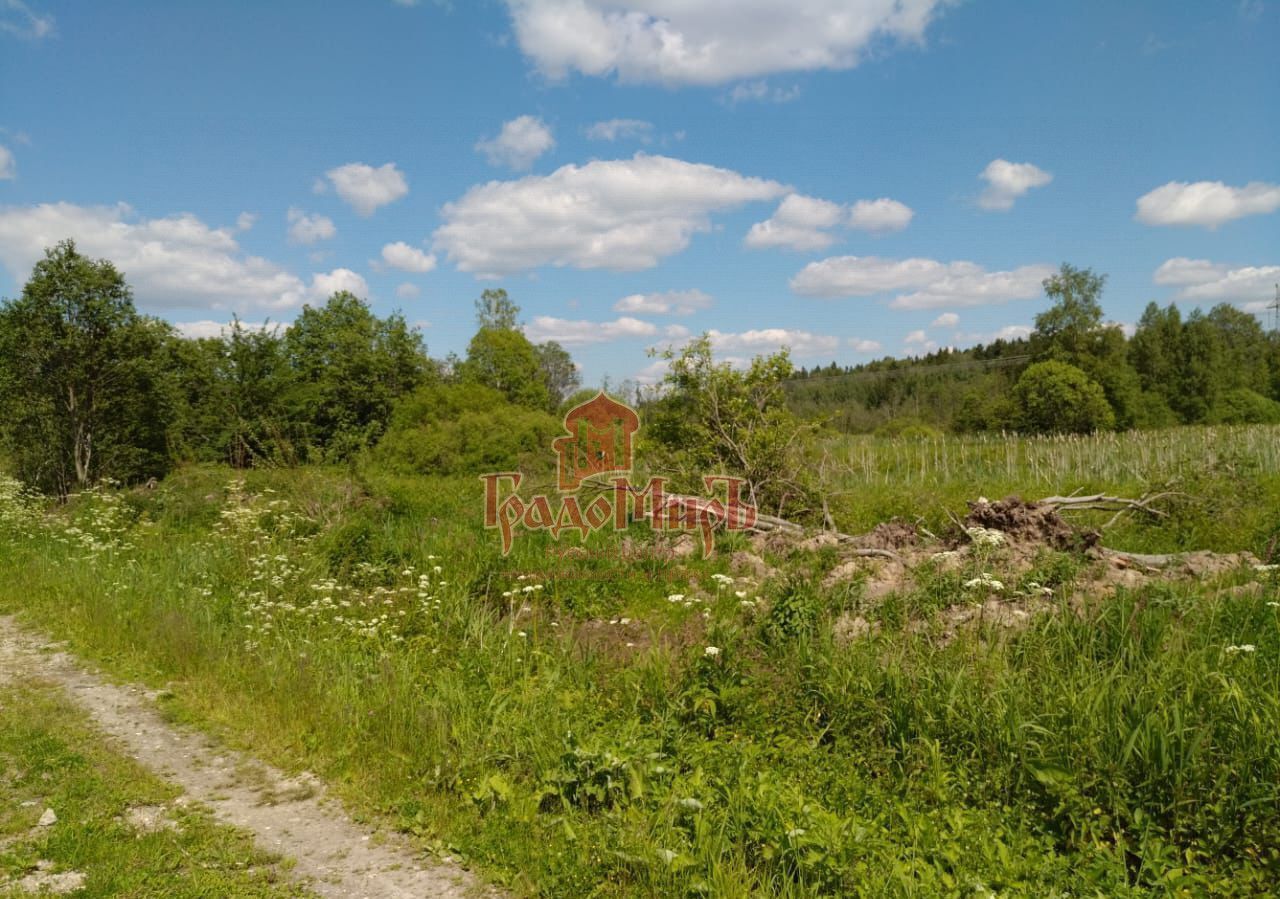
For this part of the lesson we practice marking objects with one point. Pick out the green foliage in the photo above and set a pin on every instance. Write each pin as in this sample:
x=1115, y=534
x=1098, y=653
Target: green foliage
x=467, y=429
x=496, y=311
x=348, y=369
x=504, y=360
x=793, y=613
x=715, y=419
x=1174, y=370
x=236, y=399
x=558, y=370
x=83, y=391
x=1057, y=398
x=1068, y=329
x=592, y=779
x=1243, y=406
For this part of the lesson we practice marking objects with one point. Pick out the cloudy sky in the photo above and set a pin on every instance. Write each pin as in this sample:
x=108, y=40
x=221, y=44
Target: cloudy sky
x=851, y=178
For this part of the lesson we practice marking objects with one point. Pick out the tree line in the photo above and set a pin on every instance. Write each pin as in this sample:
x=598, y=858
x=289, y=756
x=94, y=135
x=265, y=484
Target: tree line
x=91, y=389
x=1073, y=373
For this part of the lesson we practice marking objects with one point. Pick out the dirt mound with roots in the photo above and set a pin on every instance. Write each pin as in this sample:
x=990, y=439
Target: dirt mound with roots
x=1023, y=521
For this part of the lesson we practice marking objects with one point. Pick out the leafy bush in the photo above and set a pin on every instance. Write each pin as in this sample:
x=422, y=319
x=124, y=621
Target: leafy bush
x=1243, y=406
x=464, y=429
x=1057, y=398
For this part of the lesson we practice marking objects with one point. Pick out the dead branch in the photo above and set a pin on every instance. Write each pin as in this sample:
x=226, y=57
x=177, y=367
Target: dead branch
x=1120, y=505
x=1149, y=560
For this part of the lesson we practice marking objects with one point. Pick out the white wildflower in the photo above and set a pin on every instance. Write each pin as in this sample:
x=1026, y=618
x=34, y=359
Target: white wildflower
x=985, y=536
x=986, y=581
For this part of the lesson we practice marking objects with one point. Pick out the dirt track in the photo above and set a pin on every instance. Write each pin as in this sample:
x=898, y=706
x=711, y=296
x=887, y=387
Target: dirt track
x=333, y=856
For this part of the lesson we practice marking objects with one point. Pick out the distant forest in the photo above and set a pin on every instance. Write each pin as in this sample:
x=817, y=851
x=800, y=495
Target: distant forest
x=1219, y=367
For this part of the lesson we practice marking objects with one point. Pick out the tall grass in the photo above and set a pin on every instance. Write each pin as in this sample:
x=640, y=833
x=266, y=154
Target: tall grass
x=579, y=737
x=1049, y=462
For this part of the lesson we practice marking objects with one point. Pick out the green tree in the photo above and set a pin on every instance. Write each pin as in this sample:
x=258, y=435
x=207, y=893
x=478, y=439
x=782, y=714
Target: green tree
x=81, y=392
x=504, y=360
x=1072, y=331
x=496, y=310
x=348, y=367
x=717, y=419
x=1066, y=329
x=1056, y=398
x=237, y=394
x=559, y=372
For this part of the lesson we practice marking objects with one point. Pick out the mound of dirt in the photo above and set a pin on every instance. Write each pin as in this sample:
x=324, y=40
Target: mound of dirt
x=1029, y=522
x=893, y=534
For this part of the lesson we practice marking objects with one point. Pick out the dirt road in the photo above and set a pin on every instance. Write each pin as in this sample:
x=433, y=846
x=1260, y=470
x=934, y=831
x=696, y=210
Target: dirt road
x=332, y=855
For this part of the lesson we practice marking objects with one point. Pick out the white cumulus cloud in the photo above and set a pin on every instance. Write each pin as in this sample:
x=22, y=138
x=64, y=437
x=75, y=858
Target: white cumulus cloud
x=620, y=215
x=710, y=41
x=803, y=344
x=576, y=332
x=366, y=188
x=945, y=320
x=880, y=216
x=863, y=345
x=406, y=258
x=801, y=223
x=671, y=302
x=798, y=223
x=1007, y=181
x=929, y=284
x=340, y=279
x=8, y=165
x=620, y=129
x=173, y=262
x=210, y=328
x=1206, y=203
x=1200, y=280
x=309, y=229
x=408, y=291
x=521, y=141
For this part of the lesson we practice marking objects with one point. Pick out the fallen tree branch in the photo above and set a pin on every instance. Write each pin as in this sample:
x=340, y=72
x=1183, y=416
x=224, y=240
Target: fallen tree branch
x=1150, y=560
x=772, y=524
x=1120, y=505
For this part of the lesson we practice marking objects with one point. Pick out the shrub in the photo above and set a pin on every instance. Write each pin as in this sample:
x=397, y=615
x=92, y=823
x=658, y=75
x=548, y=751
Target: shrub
x=463, y=429
x=1057, y=398
x=1243, y=406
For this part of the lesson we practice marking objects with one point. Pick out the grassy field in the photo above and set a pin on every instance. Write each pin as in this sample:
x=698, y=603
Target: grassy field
x=620, y=724
x=118, y=830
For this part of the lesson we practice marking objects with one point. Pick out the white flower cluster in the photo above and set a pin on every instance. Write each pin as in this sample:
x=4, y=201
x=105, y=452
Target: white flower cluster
x=985, y=581
x=986, y=536
x=1241, y=648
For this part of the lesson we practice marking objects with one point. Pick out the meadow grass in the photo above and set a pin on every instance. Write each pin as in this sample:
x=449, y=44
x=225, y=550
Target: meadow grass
x=594, y=726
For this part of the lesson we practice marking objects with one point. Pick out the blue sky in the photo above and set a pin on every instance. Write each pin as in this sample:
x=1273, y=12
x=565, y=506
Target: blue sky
x=851, y=178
